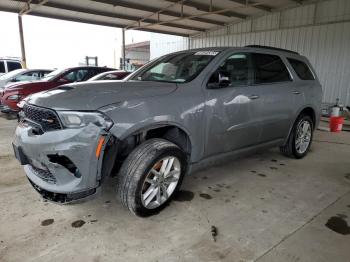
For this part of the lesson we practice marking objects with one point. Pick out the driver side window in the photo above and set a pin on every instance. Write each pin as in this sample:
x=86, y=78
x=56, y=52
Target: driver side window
x=234, y=71
x=76, y=75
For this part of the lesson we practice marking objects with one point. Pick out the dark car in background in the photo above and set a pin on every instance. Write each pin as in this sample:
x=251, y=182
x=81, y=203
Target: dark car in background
x=111, y=75
x=13, y=94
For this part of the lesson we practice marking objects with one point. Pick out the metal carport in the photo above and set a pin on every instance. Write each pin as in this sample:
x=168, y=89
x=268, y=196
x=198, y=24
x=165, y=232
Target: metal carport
x=174, y=17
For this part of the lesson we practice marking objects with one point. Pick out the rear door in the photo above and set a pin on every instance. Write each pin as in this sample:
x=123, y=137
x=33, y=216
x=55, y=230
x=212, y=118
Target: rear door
x=233, y=111
x=274, y=80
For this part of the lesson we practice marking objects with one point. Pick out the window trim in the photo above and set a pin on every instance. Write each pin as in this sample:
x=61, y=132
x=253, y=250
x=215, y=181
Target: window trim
x=271, y=83
x=307, y=65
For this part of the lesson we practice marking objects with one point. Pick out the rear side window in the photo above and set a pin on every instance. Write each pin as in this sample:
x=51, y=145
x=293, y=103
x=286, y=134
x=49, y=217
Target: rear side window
x=269, y=69
x=302, y=70
x=2, y=67
x=13, y=66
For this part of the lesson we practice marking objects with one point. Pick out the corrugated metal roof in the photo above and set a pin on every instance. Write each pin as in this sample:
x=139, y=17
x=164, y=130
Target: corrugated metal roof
x=176, y=17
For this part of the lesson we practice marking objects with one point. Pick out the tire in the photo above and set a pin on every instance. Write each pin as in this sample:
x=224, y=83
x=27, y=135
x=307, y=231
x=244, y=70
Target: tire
x=134, y=176
x=290, y=149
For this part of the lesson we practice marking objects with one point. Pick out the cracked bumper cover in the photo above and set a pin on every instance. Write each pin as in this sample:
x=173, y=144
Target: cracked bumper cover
x=79, y=145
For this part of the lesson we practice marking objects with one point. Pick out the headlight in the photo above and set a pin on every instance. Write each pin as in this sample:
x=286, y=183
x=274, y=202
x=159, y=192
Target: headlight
x=72, y=119
x=14, y=98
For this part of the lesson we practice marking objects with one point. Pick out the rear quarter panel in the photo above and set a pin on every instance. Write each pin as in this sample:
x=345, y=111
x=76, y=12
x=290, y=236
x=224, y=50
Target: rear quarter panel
x=311, y=91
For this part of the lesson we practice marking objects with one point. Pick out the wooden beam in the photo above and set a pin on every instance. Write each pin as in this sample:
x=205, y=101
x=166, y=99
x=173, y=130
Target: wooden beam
x=210, y=9
x=141, y=7
x=109, y=14
x=253, y=4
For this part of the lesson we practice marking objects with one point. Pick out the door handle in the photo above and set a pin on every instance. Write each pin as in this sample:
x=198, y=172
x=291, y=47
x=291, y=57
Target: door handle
x=252, y=97
x=296, y=92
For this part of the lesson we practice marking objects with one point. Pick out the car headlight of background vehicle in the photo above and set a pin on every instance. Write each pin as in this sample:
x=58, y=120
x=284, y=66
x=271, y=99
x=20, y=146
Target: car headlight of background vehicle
x=14, y=97
x=74, y=119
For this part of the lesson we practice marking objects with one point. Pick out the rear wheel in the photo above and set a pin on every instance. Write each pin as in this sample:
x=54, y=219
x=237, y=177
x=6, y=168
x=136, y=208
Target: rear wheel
x=150, y=176
x=300, y=138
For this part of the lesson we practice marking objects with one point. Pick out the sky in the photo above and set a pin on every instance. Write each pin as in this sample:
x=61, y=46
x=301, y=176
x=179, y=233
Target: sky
x=52, y=43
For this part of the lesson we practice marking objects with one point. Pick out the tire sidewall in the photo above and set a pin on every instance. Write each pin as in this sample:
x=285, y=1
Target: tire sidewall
x=294, y=134
x=158, y=155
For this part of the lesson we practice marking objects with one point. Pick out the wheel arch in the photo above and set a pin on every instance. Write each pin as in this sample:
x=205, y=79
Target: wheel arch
x=169, y=131
x=307, y=110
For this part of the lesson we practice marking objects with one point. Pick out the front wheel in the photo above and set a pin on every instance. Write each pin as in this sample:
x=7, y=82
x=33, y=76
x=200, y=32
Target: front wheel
x=150, y=176
x=300, y=138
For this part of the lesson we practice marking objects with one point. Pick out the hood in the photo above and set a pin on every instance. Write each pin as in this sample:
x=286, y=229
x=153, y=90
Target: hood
x=94, y=95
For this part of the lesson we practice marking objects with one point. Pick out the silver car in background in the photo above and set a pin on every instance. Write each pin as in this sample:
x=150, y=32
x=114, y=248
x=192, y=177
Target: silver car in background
x=181, y=112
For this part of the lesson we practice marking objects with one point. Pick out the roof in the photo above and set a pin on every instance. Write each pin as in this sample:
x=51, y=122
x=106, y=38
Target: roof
x=250, y=48
x=176, y=17
x=10, y=59
x=143, y=45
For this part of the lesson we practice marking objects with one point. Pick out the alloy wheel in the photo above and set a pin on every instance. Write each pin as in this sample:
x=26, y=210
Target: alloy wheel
x=160, y=182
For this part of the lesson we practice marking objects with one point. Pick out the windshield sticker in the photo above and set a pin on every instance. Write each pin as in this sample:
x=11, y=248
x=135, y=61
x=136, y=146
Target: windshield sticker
x=213, y=53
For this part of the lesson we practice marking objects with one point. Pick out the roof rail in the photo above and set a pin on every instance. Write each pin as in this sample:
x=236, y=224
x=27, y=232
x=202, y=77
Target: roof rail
x=272, y=48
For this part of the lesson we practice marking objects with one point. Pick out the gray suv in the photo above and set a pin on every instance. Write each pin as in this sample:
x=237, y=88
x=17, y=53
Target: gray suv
x=180, y=112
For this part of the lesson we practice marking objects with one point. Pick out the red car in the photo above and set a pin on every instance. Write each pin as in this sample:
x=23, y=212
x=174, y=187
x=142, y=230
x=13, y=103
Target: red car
x=13, y=94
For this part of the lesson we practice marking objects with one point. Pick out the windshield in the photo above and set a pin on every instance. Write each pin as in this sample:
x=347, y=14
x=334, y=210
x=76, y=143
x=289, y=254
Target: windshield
x=53, y=74
x=11, y=74
x=177, y=68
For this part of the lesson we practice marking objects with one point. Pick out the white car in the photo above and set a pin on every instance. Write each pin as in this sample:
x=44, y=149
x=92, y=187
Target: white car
x=22, y=75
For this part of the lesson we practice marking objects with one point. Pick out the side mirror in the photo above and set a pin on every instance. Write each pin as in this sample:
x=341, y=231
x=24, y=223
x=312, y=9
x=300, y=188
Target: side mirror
x=223, y=80
x=63, y=81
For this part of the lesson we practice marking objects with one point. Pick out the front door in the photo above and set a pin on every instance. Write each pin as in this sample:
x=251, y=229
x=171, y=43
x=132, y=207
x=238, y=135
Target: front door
x=233, y=107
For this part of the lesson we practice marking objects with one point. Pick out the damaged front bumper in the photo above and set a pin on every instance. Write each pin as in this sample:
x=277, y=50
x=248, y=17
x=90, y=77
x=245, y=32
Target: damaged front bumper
x=62, y=165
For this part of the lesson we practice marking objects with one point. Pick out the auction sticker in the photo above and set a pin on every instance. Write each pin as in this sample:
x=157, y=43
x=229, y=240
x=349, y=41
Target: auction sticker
x=213, y=53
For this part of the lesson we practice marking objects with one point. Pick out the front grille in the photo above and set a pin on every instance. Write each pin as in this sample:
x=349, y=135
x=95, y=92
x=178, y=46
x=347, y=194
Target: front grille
x=43, y=174
x=45, y=118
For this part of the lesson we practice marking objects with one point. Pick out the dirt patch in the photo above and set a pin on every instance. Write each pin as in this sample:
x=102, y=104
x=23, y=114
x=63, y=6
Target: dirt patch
x=273, y=168
x=47, y=222
x=183, y=196
x=205, y=196
x=338, y=225
x=347, y=176
x=262, y=175
x=78, y=223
